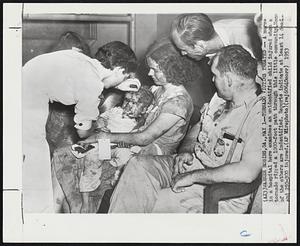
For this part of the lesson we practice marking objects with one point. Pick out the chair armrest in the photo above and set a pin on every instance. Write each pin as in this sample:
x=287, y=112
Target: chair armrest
x=223, y=191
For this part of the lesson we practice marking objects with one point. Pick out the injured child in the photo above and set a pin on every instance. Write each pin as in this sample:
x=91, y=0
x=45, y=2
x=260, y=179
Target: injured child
x=127, y=118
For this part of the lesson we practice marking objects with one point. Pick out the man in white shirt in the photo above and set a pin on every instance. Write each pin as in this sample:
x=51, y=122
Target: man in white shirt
x=68, y=77
x=196, y=36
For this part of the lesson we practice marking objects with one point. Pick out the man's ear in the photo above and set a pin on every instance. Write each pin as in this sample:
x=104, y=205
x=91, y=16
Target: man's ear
x=258, y=19
x=228, y=79
x=200, y=45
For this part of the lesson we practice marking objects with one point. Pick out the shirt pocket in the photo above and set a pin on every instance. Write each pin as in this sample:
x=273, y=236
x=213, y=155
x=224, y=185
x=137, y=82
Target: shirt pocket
x=237, y=154
x=222, y=147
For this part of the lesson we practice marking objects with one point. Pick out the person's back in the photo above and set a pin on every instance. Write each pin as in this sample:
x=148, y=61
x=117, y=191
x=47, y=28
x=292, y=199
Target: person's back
x=62, y=74
x=68, y=77
x=239, y=31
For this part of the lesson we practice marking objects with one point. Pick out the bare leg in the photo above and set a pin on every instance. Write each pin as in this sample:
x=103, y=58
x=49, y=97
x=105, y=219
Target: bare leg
x=85, y=203
x=57, y=192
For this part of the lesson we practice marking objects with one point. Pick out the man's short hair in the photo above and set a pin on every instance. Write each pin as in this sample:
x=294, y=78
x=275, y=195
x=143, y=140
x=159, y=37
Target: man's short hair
x=235, y=59
x=193, y=27
x=68, y=40
x=116, y=54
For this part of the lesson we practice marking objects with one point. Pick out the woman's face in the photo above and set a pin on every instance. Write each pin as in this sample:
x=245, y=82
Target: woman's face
x=155, y=72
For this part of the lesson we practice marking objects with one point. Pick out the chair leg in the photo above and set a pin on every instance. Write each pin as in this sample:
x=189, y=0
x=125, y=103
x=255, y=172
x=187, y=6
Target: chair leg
x=210, y=204
x=105, y=203
x=251, y=202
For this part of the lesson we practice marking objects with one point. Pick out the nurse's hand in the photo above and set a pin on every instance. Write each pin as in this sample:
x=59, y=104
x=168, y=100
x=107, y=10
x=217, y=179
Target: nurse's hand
x=132, y=84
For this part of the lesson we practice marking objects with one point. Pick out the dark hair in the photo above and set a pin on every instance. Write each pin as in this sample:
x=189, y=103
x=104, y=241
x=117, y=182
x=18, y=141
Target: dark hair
x=234, y=58
x=71, y=39
x=116, y=54
x=172, y=64
x=145, y=96
x=193, y=27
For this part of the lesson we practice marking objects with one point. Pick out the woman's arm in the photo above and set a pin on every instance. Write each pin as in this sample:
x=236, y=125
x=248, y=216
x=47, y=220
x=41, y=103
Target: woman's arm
x=157, y=128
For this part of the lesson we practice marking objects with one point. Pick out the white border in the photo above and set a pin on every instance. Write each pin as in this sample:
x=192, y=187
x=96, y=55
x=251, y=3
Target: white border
x=124, y=227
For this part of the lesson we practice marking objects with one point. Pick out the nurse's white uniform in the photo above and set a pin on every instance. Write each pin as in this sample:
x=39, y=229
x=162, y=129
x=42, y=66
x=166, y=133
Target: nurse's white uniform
x=68, y=77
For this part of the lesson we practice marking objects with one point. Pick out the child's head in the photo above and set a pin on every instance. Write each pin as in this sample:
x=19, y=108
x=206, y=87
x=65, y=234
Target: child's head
x=136, y=103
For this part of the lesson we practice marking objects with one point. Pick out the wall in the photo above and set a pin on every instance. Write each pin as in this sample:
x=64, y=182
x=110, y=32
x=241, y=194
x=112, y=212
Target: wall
x=39, y=36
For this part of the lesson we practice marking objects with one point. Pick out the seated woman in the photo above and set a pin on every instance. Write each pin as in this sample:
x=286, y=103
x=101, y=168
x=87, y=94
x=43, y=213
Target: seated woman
x=162, y=132
x=168, y=121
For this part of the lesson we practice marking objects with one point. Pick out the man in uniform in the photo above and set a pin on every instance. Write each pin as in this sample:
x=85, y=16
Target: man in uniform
x=224, y=146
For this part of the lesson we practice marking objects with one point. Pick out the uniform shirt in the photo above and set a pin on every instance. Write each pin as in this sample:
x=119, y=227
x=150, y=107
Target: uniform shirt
x=68, y=77
x=219, y=125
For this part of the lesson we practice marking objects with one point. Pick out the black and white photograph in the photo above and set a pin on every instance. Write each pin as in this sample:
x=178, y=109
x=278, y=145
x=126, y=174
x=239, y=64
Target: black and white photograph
x=135, y=109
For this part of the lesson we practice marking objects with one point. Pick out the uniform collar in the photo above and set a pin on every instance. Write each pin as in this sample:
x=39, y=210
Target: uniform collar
x=250, y=98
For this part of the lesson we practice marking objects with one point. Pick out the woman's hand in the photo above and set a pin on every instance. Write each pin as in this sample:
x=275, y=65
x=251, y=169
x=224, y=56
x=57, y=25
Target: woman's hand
x=94, y=138
x=89, y=140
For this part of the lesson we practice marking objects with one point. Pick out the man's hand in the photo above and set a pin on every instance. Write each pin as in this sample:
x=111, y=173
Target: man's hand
x=181, y=181
x=181, y=161
x=203, y=157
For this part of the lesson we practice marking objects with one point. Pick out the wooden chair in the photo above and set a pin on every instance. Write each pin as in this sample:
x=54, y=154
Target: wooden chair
x=223, y=191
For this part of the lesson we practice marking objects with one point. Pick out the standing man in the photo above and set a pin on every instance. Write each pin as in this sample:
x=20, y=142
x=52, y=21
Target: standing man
x=68, y=77
x=224, y=146
x=196, y=36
